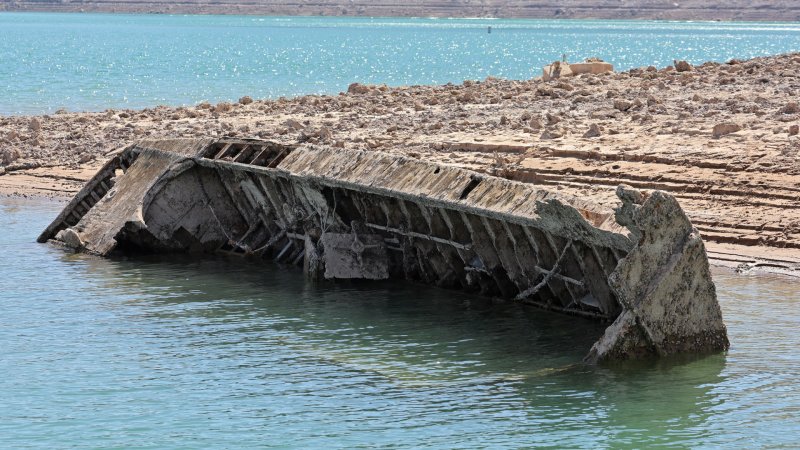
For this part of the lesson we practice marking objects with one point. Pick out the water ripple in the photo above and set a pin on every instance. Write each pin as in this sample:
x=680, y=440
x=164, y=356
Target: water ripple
x=176, y=353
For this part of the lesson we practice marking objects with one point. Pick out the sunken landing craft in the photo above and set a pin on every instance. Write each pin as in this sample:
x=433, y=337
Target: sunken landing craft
x=347, y=214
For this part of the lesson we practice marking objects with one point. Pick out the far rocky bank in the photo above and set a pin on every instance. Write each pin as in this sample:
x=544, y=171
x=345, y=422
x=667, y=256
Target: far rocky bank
x=739, y=10
x=722, y=138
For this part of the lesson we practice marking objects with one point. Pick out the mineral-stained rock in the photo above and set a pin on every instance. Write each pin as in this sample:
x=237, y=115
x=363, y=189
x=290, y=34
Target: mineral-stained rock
x=34, y=125
x=594, y=131
x=358, y=88
x=622, y=105
x=223, y=107
x=683, y=66
x=791, y=108
x=722, y=129
x=8, y=155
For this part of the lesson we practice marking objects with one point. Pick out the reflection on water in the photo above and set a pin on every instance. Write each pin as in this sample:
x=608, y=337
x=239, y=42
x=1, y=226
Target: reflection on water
x=162, y=353
x=97, y=61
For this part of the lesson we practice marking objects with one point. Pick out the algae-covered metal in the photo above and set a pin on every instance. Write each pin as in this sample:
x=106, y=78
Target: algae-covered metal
x=353, y=214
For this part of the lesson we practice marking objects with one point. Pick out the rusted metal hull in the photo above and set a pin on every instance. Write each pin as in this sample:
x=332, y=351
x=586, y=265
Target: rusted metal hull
x=352, y=214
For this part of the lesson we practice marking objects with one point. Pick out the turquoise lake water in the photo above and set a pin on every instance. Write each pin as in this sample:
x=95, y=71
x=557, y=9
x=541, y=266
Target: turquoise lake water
x=98, y=61
x=183, y=353
x=180, y=353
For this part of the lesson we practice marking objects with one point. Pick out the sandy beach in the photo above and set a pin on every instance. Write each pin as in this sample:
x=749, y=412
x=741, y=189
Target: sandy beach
x=722, y=138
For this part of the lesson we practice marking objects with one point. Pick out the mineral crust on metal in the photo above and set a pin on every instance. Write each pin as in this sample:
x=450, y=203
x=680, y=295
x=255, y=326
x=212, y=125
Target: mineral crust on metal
x=347, y=214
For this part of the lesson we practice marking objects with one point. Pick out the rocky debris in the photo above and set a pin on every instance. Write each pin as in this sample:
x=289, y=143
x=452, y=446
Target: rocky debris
x=790, y=108
x=551, y=133
x=721, y=129
x=594, y=131
x=223, y=107
x=321, y=134
x=35, y=125
x=756, y=11
x=246, y=100
x=561, y=69
x=552, y=119
x=8, y=155
x=682, y=66
x=358, y=88
x=293, y=124
x=622, y=105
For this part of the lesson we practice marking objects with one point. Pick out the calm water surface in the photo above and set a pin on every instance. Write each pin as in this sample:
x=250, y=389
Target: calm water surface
x=99, y=61
x=179, y=353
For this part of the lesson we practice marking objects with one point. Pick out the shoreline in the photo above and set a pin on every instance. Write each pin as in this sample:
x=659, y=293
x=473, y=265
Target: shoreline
x=780, y=20
x=722, y=138
x=695, y=10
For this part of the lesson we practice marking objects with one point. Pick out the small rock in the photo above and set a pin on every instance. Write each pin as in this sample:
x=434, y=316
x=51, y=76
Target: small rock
x=246, y=100
x=594, y=131
x=790, y=108
x=552, y=119
x=565, y=86
x=722, y=129
x=358, y=88
x=622, y=105
x=223, y=107
x=682, y=66
x=293, y=124
x=8, y=156
x=70, y=238
x=35, y=125
x=551, y=134
x=794, y=130
x=324, y=133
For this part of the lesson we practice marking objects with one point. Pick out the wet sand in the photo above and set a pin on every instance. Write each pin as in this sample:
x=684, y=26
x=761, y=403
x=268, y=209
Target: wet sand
x=722, y=138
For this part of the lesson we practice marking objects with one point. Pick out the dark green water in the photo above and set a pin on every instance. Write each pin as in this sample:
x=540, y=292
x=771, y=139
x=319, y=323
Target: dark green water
x=180, y=353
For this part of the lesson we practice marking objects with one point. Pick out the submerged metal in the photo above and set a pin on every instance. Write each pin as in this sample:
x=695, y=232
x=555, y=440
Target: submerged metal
x=353, y=214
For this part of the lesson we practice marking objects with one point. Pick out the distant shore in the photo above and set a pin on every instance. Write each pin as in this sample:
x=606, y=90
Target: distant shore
x=732, y=10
